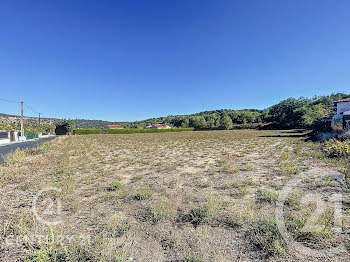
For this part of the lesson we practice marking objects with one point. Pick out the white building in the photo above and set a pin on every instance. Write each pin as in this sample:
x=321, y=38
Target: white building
x=343, y=106
x=342, y=117
x=158, y=126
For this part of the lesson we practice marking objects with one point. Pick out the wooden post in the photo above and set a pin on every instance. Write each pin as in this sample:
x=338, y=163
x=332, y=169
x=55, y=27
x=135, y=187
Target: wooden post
x=22, y=127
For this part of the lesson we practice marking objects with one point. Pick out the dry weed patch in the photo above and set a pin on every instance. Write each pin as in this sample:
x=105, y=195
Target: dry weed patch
x=187, y=196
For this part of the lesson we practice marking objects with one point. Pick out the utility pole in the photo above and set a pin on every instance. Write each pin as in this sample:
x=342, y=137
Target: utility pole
x=39, y=119
x=22, y=128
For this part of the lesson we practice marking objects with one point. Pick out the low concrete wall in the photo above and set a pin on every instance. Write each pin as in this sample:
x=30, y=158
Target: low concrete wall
x=4, y=140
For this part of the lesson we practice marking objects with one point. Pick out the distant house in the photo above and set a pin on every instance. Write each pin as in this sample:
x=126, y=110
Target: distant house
x=343, y=106
x=158, y=126
x=115, y=127
x=342, y=118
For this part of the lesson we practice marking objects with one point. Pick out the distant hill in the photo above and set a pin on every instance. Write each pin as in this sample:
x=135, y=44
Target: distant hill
x=79, y=123
x=15, y=120
x=289, y=113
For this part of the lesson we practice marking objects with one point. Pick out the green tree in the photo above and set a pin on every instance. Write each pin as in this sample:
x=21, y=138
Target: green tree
x=185, y=123
x=211, y=120
x=285, y=113
x=198, y=122
x=226, y=122
x=313, y=113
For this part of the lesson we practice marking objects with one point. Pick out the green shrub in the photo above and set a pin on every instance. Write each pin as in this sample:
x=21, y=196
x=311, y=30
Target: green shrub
x=335, y=148
x=193, y=258
x=54, y=251
x=265, y=235
x=288, y=168
x=144, y=192
x=115, y=186
x=268, y=196
x=161, y=211
x=198, y=215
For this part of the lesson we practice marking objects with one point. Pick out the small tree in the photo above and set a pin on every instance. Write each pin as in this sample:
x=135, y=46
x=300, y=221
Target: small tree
x=314, y=113
x=198, y=122
x=211, y=121
x=226, y=122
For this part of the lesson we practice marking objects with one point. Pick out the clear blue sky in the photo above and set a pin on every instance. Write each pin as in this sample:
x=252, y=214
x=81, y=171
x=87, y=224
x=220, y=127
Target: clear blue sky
x=131, y=60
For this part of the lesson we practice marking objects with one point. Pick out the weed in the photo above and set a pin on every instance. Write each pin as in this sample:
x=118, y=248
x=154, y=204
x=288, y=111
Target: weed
x=246, y=168
x=144, y=192
x=198, y=215
x=193, y=258
x=335, y=148
x=136, y=178
x=240, y=191
x=18, y=224
x=288, y=168
x=268, y=196
x=240, y=213
x=213, y=206
x=347, y=246
x=53, y=251
x=206, y=184
x=162, y=211
x=16, y=158
x=293, y=200
x=229, y=167
x=119, y=228
x=265, y=236
x=116, y=186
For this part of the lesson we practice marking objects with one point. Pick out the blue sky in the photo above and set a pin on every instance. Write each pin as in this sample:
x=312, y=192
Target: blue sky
x=131, y=60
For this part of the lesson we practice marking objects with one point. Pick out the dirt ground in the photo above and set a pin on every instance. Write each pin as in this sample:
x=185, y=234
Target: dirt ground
x=187, y=196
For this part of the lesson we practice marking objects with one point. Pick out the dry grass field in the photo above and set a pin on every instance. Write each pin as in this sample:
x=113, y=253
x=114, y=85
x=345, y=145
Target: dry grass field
x=188, y=196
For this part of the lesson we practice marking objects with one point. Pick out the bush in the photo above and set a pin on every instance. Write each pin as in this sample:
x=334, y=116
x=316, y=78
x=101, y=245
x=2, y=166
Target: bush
x=53, y=250
x=322, y=126
x=161, y=211
x=268, y=196
x=335, y=148
x=288, y=168
x=265, y=235
x=198, y=215
x=144, y=192
x=115, y=186
x=344, y=136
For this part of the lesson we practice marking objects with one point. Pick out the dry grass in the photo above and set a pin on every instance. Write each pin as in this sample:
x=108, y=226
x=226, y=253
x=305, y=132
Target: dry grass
x=189, y=196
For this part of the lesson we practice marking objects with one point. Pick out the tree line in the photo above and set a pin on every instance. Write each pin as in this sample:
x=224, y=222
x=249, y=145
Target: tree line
x=289, y=113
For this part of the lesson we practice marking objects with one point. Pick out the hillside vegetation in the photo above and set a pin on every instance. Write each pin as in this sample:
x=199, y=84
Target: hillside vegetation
x=289, y=113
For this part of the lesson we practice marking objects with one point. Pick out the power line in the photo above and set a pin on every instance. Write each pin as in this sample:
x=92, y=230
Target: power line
x=10, y=101
x=30, y=108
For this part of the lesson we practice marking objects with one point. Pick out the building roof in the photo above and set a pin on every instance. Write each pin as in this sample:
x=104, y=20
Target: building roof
x=115, y=126
x=160, y=125
x=343, y=100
